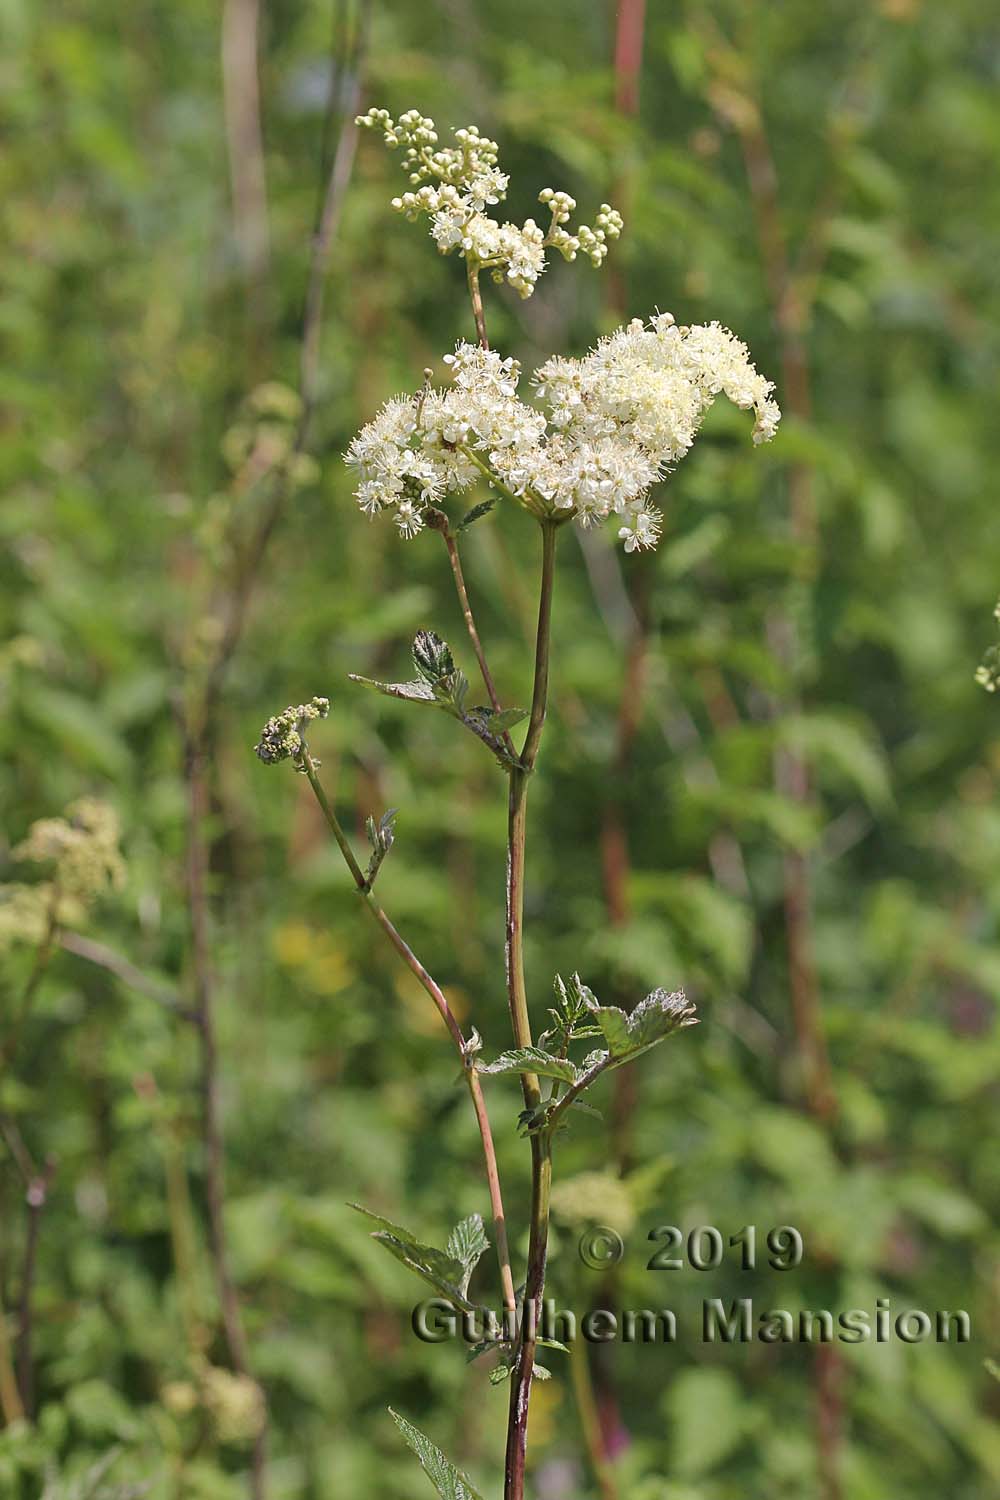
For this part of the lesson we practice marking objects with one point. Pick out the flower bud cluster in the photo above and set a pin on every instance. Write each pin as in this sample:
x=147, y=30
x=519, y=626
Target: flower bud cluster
x=454, y=185
x=281, y=737
x=615, y=422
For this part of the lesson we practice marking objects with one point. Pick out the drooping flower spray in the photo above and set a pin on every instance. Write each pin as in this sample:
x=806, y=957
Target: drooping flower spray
x=598, y=436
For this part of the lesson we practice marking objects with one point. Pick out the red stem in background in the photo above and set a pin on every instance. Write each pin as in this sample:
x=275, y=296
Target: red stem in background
x=244, y=136
x=792, y=291
x=629, y=39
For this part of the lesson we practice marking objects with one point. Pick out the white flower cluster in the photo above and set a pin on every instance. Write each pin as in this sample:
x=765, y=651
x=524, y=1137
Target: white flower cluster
x=456, y=184
x=617, y=420
x=81, y=851
x=988, y=673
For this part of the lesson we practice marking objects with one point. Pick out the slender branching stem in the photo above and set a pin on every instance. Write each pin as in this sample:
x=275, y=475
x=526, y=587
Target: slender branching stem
x=434, y=990
x=528, y=501
x=36, y=1197
x=117, y=964
x=451, y=543
x=541, y=1140
x=472, y=269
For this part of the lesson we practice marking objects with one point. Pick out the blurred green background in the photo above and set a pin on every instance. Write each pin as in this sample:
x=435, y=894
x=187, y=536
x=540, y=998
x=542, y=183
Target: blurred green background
x=820, y=178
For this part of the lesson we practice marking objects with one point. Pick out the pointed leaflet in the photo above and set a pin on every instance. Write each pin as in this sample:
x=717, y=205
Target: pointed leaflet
x=444, y=1272
x=533, y=1060
x=415, y=692
x=450, y=1483
x=572, y=1013
x=466, y=1243
x=476, y=514
x=432, y=656
x=380, y=836
x=507, y=718
x=438, y=680
x=443, y=685
x=653, y=1019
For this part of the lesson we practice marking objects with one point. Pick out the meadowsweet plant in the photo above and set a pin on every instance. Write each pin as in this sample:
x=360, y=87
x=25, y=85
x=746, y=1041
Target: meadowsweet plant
x=588, y=441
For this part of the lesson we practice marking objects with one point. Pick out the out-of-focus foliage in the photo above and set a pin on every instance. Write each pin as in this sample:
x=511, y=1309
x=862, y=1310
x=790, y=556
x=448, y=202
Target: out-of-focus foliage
x=130, y=357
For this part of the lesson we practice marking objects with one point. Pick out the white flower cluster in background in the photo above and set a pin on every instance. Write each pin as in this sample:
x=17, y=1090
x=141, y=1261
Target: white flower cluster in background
x=455, y=185
x=988, y=673
x=615, y=422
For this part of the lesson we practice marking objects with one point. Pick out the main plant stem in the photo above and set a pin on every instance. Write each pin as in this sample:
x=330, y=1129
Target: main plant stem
x=433, y=989
x=541, y=1149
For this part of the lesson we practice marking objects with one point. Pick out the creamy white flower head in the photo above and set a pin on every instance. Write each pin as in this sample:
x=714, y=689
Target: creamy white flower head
x=455, y=185
x=614, y=424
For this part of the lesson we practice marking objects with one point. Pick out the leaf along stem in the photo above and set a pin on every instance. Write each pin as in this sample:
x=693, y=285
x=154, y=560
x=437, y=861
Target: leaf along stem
x=434, y=990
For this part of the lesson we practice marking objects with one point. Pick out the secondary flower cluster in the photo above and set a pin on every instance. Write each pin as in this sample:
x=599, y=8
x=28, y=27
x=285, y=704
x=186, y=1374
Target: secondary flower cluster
x=616, y=422
x=83, y=859
x=281, y=737
x=456, y=184
x=988, y=673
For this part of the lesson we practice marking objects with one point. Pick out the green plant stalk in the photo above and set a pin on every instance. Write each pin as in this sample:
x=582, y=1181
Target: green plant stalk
x=470, y=625
x=433, y=989
x=472, y=269
x=590, y=1422
x=541, y=1141
x=11, y=1405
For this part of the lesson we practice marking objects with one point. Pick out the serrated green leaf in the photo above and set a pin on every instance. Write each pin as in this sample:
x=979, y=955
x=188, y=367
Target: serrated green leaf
x=450, y=1483
x=476, y=514
x=533, y=1060
x=440, y=1270
x=614, y=1028
x=507, y=718
x=432, y=656
x=414, y=692
x=381, y=836
x=466, y=1244
x=652, y=1021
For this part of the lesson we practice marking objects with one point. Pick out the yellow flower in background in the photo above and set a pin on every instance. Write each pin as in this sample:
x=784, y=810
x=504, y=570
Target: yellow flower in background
x=319, y=962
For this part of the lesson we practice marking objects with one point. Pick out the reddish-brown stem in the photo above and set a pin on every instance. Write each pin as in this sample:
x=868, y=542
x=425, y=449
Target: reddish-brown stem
x=590, y=1416
x=476, y=297
x=470, y=625
x=244, y=138
x=791, y=304
x=11, y=1405
x=434, y=990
